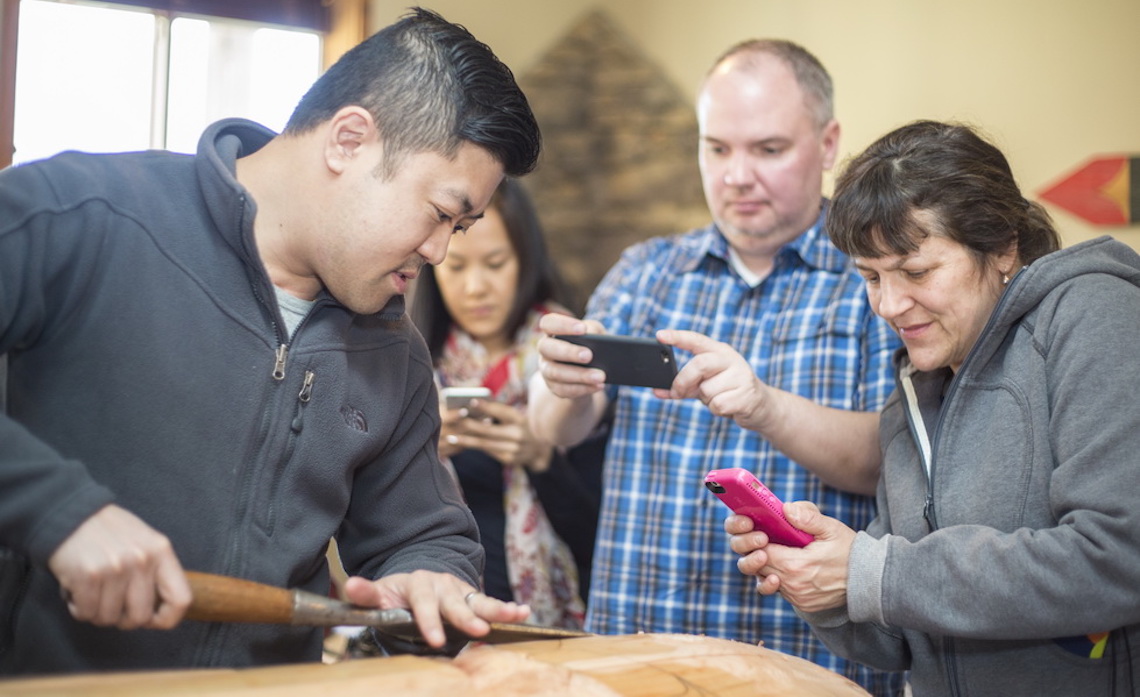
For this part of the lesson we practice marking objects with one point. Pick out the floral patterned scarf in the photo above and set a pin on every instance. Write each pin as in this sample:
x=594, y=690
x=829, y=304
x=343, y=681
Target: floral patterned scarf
x=540, y=566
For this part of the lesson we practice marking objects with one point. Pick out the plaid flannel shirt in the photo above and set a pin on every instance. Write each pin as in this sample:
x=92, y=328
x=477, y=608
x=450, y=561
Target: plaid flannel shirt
x=662, y=562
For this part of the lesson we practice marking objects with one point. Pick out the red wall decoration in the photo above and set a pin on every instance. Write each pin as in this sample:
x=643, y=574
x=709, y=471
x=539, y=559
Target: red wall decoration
x=1104, y=191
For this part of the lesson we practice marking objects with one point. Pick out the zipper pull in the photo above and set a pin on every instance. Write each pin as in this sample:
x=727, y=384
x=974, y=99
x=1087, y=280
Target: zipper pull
x=928, y=513
x=279, y=365
x=303, y=397
x=306, y=392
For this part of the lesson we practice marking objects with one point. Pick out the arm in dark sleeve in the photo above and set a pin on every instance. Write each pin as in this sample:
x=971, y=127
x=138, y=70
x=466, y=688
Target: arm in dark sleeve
x=44, y=496
x=406, y=511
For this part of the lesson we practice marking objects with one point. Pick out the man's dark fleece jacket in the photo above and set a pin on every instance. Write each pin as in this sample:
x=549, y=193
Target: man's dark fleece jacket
x=149, y=367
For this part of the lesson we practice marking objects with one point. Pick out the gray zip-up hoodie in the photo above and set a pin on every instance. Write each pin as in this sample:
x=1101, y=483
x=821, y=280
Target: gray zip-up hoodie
x=149, y=366
x=1009, y=503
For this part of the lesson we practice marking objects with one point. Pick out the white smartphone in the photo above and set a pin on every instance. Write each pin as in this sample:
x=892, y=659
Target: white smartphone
x=459, y=397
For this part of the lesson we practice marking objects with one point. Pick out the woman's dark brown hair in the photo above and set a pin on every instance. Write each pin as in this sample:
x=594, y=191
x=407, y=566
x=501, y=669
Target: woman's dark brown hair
x=539, y=278
x=949, y=170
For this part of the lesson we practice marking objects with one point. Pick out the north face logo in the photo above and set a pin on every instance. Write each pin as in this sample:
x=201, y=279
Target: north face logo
x=354, y=418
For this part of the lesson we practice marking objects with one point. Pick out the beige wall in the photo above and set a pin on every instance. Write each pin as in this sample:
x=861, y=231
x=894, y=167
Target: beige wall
x=1054, y=82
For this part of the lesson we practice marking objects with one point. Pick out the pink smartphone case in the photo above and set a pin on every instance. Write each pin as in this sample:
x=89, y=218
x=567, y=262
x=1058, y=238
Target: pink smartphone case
x=741, y=491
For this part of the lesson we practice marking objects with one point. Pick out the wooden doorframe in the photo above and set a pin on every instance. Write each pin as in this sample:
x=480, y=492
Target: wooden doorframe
x=348, y=26
x=9, y=25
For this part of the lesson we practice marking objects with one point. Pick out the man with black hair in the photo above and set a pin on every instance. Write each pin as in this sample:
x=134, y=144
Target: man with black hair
x=210, y=366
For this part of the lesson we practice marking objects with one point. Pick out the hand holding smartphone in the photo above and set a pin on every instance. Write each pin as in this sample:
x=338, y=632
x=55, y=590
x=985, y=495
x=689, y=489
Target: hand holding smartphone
x=459, y=397
x=628, y=360
x=742, y=492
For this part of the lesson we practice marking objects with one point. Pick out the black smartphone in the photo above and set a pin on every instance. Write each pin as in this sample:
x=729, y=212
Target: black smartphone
x=628, y=360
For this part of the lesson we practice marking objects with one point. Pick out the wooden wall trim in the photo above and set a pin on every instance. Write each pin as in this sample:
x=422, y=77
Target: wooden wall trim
x=348, y=22
x=9, y=25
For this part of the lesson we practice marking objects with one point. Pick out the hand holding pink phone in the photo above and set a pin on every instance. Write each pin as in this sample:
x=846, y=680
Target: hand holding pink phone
x=741, y=491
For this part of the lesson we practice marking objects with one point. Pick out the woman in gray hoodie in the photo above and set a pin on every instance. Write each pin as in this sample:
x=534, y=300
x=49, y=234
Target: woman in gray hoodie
x=1005, y=558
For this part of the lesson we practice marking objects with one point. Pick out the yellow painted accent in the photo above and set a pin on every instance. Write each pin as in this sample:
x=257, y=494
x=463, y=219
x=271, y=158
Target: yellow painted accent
x=1101, y=640
x=1118, y=189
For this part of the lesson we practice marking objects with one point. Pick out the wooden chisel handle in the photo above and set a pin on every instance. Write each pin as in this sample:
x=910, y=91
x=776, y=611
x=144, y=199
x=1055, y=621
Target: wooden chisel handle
x=226, y=599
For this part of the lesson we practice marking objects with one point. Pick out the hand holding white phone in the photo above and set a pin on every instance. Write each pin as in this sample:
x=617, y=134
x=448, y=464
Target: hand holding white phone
x=459, y=397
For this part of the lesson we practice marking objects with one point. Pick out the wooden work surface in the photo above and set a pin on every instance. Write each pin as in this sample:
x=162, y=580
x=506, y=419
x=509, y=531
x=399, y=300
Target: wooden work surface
x=397, y=676
x=642, y=665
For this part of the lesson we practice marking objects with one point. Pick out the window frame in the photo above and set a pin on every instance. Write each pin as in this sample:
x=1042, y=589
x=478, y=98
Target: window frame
x=307, y=14
x=341, y=24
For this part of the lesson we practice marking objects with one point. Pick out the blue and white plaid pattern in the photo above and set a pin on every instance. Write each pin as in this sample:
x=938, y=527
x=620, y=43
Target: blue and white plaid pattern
x=662, y=562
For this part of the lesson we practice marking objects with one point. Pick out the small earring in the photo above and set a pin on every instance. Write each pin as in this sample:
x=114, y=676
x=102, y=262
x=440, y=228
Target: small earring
x=1005, y=279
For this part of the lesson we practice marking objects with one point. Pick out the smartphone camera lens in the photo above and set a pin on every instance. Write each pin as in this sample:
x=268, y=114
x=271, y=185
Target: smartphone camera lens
x=714, y=487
